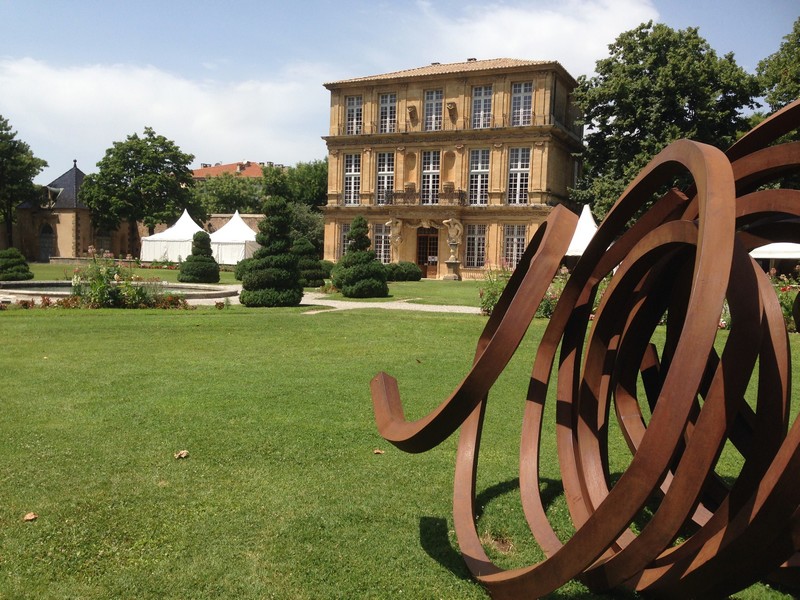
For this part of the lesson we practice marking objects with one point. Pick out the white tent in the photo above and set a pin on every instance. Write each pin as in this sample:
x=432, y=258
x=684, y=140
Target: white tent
x=172, y=244
x=777, y=251
x=233, y=241
x=583, y=233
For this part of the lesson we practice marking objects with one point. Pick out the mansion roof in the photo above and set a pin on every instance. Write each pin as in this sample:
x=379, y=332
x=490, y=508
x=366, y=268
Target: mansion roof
x=471, y=65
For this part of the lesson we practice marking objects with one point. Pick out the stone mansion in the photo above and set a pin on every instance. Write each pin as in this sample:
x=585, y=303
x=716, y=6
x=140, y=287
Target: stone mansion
x=454, y=166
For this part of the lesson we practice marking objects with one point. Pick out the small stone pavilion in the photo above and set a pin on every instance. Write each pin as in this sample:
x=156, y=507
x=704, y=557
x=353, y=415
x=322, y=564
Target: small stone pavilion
x=62, y=225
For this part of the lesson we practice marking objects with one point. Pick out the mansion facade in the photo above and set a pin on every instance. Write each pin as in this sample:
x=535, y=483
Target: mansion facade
x=454, y=166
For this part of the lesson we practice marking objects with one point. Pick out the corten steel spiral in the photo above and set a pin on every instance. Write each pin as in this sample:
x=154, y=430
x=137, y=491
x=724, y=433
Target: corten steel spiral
x=683, y=257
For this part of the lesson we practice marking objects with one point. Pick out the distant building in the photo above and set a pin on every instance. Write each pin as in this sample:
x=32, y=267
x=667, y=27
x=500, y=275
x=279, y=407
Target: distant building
x=245, y=168
x=464, y=158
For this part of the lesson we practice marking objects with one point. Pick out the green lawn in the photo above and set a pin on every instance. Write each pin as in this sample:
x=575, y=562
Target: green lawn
x=450, y=293
x=51, y=272
x=282, y=495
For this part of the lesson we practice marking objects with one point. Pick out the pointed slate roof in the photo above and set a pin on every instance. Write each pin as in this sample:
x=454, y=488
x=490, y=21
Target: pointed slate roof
x=65, y=188
x=62, y=192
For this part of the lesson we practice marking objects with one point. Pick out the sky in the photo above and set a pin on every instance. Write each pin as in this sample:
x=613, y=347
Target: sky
x=244, y=81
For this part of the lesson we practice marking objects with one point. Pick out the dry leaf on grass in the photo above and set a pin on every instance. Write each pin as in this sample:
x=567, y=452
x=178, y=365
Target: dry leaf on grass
x=182, y=454
x=31, y=516
x=378, y=451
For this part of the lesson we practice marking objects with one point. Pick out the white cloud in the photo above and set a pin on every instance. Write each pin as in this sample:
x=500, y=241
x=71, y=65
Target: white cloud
x=280, y=115
x=79, y=112
x=575, y=33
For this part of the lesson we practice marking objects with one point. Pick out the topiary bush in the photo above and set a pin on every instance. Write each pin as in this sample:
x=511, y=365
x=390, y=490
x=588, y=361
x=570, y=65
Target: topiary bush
x=403, y=271
x=311, y=272
x=242, y=267
x=359, y=274
x=199, y=266
x=13, y=266
x=327, y=267
x=273, y=277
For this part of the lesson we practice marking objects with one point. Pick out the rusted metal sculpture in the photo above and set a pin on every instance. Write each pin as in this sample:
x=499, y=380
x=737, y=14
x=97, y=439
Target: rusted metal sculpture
x=683, y=257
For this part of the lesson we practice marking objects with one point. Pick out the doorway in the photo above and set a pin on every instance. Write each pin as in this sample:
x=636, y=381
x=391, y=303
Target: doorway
x=428, y=251
x=46, y=243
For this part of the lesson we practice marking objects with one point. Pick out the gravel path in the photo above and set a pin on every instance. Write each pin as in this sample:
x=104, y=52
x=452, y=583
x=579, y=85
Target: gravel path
x=319, y=299
x=314, y=299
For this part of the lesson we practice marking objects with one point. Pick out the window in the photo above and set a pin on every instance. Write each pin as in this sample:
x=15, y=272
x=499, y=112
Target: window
x=384, y=182
x=519, y=165
x=521, y=103
x=479, y=176
x=514, y=244
x=433, y=110
x=352, y=178
x=481, y=107
x=476, y=246
x=381, y=242
x=429, y=190
x=344, y=229
x=388, y=113
x=353, y=118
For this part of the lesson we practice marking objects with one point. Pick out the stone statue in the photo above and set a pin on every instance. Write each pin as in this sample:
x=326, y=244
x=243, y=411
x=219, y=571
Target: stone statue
x=454, y=230
x=396, y=234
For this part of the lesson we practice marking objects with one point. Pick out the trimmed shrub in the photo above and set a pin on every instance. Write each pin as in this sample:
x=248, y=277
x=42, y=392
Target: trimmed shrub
x=242, y=267
x=403, y=271
x=199, y=266
x=272, y=278
x=311, y=273
x=13, y=266
x=327, y=267
x=359, y=273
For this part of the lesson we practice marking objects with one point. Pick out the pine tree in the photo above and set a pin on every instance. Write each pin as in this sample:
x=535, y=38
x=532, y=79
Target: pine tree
x=273, y=277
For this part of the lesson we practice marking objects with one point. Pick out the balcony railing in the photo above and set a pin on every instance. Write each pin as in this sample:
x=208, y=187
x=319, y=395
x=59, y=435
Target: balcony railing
x=461, y=124
x=413, y=198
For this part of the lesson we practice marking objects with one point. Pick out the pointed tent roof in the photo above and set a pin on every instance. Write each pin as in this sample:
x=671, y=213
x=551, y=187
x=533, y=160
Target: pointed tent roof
x=235, y=230
x=584, y=232
x=184, y=229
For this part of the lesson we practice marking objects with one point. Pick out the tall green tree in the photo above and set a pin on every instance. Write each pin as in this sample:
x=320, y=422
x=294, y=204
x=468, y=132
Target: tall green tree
x=228, y=193
x=144, y=179
x=779, y=73
x=275, y=181
x=18, y=167
x=307, y=222
x=308, y=183
x=658, y=85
